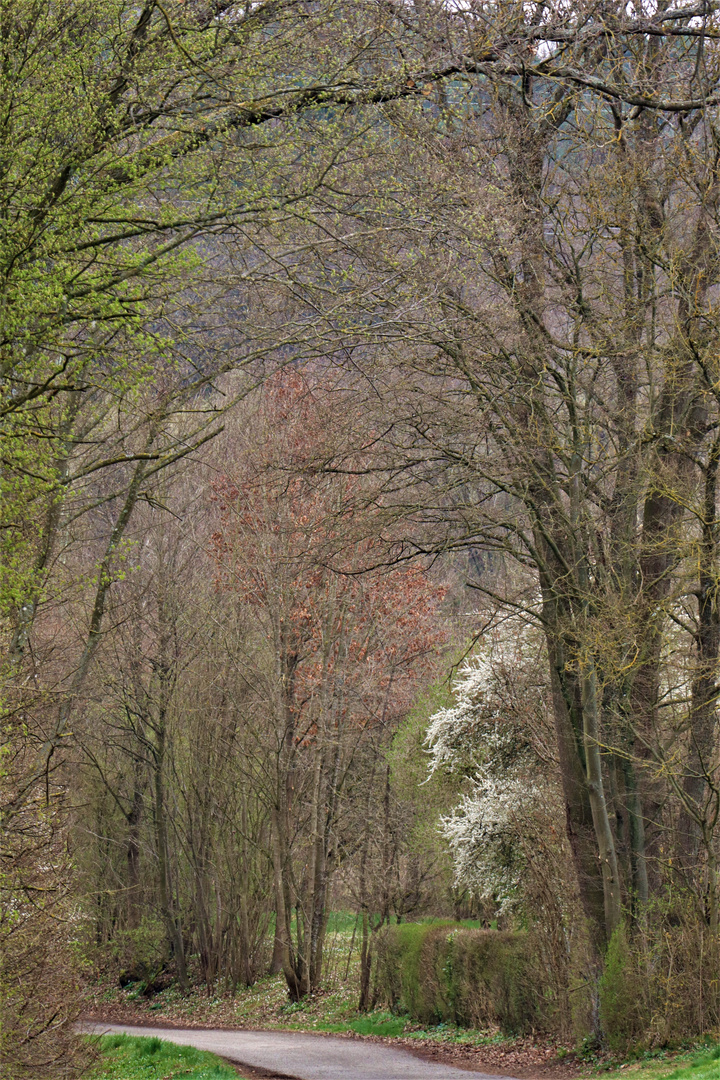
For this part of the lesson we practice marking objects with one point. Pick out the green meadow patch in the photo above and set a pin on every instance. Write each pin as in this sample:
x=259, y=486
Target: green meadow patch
x=130, y=1057
x=698, y=1066
x=378, y=1023
x=706, y=1067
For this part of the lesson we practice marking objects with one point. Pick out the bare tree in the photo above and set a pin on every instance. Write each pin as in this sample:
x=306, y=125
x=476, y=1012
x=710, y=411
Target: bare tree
x=552, y=390
x=345, y=646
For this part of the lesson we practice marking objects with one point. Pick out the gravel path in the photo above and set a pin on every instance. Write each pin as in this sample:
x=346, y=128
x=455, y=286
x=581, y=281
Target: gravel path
x=303, y=1056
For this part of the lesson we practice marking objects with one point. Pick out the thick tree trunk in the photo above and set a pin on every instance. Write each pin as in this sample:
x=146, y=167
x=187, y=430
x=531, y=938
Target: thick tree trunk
x=636, y=831
x=276, y=963
x=578, y=812
x=291, y=961
x=246, y=966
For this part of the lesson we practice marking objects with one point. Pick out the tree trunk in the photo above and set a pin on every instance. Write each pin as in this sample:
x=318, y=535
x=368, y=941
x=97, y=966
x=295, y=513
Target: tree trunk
x=704, y=690
x=166, y=905
x=133, y=858
x=598, y=804
x=578, y=812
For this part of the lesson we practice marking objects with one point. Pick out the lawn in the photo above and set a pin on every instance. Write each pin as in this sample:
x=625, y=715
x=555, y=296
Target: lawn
x=126, y=1057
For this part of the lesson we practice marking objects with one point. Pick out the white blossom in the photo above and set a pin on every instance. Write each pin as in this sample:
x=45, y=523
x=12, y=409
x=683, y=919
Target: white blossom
x=484, y=737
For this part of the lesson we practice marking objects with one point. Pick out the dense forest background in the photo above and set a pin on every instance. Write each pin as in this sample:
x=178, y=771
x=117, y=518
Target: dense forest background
x=359, y=450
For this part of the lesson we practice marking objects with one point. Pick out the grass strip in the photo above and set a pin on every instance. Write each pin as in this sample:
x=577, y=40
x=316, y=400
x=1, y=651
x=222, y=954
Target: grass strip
x=131, y=1057
x=703, y=1066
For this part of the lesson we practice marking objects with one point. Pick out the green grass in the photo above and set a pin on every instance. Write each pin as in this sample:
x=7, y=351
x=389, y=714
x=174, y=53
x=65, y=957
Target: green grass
x=343, y=922
x=703, y=1066
x=378, y=1023
x=129, y=1057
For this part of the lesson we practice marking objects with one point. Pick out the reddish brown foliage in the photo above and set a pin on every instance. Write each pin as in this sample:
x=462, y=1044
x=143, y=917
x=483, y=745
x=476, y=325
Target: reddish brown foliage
x=296, y=543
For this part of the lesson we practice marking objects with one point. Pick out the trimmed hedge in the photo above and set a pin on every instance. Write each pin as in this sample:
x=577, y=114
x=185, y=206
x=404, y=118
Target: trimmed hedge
x=656, y=988
x=440, y=972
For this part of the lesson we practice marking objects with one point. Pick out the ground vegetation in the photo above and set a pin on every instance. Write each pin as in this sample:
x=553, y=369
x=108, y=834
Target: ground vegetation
x=127, y=1057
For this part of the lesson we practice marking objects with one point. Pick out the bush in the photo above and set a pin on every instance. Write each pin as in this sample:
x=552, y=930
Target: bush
x=39, y=992
x=620, y=993
x=140, y=953
x=658, y=988
x=660, y=985
x=440, y=972
x=494, y=981
x=398, y=972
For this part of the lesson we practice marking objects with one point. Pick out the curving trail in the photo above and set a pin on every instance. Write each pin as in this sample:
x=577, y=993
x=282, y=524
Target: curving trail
x=289, y=1055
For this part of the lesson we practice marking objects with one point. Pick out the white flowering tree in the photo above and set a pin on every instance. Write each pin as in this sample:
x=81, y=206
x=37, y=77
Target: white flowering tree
x=494, y=739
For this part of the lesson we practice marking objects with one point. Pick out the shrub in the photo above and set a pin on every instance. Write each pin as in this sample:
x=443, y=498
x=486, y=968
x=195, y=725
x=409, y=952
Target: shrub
x=403, y=980
x=659, y=986
x=439, y=972
x=140, y=953
x=619, y=992
x=492, y=981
